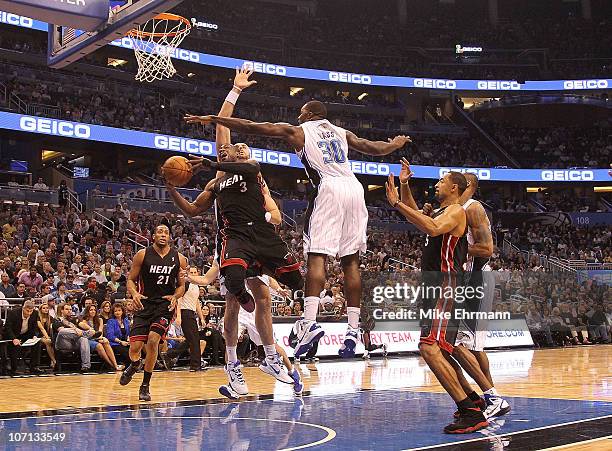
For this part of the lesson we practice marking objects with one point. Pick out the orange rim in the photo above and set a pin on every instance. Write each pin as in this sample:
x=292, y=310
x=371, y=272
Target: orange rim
x=163, y=16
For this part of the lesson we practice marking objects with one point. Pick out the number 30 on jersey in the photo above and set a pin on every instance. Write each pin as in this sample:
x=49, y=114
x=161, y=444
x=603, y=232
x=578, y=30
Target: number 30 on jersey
x=332, y=151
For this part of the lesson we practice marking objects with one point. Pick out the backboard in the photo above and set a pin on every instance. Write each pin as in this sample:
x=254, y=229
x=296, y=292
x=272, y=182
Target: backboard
x=67, y=44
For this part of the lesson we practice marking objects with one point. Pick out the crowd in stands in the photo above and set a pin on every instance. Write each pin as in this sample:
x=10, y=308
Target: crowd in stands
x=555, y=147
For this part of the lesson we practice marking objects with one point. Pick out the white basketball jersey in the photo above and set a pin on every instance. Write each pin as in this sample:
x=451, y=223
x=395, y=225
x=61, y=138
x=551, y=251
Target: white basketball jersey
x=325, y=152
x=470, y=236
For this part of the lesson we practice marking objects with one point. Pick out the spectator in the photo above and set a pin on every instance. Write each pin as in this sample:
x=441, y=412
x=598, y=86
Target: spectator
x=91, y=321
x=118, y=333
x=211, y=335
x=68, y=337
x=41, y=185
x=22, y=325
x=105, y=312
x=31, y=279
x=62, y=194
x=598, y=324
x=46, y=330
x=6, y=287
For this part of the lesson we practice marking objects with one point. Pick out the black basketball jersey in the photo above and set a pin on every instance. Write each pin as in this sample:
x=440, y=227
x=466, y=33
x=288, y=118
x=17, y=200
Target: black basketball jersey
x=444, y=253
x=240, y=200
x=159, y=276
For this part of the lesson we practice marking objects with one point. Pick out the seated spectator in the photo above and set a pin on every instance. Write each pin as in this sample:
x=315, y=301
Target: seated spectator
x=558, y=328
x=6, y=287
x=211, y=337
x=22, y=325
x=598, y=324
x=31, y=279
x=40, y=184
x=46, y=332
x=105, y=312
x=118, y=333
x=68, y=337
x=91, y=321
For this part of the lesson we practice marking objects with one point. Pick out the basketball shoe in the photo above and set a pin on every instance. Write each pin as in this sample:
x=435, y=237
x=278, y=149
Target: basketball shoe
x=235, y=378
x=274, y=367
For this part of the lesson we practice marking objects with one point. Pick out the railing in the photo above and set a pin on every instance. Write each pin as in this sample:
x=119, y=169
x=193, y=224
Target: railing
x=36, y=109
x=99, y=218
x=289, y=220
x=28, y=194
x=73, y=201
x=137, y=241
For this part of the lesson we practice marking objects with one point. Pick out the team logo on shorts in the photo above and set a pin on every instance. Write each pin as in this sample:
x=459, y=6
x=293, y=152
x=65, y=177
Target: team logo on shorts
x=163, y=322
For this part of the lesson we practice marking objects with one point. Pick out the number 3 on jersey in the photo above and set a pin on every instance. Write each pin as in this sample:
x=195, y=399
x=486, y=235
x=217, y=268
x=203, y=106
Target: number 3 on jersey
x=332, y=151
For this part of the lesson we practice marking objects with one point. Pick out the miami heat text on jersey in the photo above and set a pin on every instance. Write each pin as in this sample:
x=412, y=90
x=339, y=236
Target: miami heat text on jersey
x=444, y=253
x=240, y=200
x=159, y=275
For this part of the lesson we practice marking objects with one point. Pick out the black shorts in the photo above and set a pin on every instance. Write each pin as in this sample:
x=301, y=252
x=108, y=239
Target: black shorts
x=154, y=317
x=257, y=246
x=437, y=301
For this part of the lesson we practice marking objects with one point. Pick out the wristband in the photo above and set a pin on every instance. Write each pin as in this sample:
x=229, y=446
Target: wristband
x=402, y=183
x=396, y=203
x=232, y=96
x=268, y=216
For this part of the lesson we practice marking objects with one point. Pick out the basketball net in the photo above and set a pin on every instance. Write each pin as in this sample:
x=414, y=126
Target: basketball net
x=154, y=43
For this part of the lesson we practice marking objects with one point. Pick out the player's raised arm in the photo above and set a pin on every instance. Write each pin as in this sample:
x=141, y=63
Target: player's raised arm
x=292, y=134
x=202, y=203
x=440, y=225
x=405, y=192
x=479, y=224
x=368, y=147
x=133, y=277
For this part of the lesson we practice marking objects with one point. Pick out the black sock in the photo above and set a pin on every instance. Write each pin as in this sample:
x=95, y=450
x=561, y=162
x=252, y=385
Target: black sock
x=147, y=378
x=474, y=396
x=133, y=366
x=467, y=403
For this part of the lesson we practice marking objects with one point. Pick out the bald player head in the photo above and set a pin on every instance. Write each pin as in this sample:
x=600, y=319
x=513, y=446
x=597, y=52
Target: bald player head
x=312, y=111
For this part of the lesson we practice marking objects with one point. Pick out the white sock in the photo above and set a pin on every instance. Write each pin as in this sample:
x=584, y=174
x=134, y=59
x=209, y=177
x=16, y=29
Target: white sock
x=311, y=307
x=491, y=392
x=270, y=350
x=231, y=354
x=353, y=316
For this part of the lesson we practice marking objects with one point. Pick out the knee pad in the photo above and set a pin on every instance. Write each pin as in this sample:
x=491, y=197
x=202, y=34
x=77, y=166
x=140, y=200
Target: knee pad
x=234, y=279
x=293, y=279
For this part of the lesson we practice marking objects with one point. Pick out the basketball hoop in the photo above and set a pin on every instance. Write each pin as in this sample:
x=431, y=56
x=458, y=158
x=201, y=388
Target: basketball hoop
x=154, y=43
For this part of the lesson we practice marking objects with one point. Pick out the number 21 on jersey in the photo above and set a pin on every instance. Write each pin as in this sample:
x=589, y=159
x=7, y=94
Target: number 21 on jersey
x=332, y=151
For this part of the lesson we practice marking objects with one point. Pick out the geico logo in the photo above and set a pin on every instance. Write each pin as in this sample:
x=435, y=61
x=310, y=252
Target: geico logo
x=271, y=157
x=265, y=68
x=53, y=127
x=585, y=84
x=350, y=78
x=363, y=167
x=572, y=176
x=14, y=19
x=499, y=85
x=126, y=43
x=435, y=84
x=472, y=49
x=185, y=55
x=482, y=174
x=183, y=145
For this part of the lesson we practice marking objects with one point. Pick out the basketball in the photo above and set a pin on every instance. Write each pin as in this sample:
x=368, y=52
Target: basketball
x=177, y=171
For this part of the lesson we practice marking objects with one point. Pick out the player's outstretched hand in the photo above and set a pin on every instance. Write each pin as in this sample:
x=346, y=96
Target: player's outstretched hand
x=193, y=119
x=400, y=141
x=428, y=209
x=137, y=298
x=392, y=194
x=405, y=172
x=241, y=80
x=199, y=164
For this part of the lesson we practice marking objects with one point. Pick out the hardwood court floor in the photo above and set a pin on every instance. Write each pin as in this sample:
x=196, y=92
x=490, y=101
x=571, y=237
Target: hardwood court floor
x=554, y=381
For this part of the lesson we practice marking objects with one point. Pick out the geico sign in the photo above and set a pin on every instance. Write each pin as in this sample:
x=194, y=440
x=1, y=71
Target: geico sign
x=363, y=167
x=499, y=85
x=482, y=174
x=585, y=84
x=271, y=157
x=181, y=54
x=53, y=127
x=14, y=19
x=183, y=145
x=264, y=68
x=434, y=83
x=572, y=176
x=345, y=77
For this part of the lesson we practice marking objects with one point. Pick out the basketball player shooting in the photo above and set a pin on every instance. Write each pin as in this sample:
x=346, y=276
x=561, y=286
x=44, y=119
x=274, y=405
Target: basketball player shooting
x=444, y=253
x=156, y=281
x=336, y=218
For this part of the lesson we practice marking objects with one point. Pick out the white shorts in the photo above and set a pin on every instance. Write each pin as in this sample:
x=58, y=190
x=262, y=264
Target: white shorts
x=336, y=220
